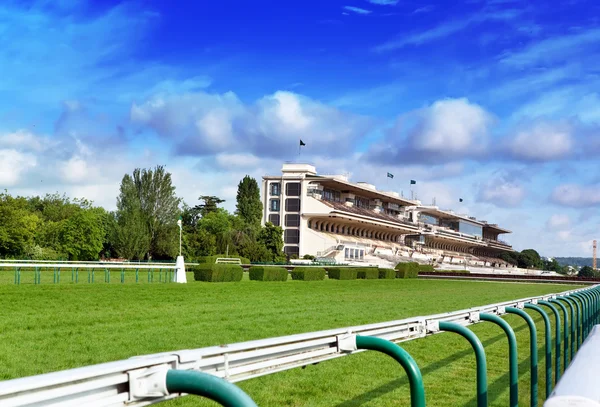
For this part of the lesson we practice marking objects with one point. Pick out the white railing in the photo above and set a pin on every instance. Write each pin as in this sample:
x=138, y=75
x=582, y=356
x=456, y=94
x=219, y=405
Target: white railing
x=128, y=382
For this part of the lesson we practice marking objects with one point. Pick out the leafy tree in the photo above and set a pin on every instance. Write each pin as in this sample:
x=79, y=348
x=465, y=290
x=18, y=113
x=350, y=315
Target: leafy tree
x=586, y=271
x=17, y=226
x=82, y=235
x=210, y=205
x=529, y=258
x=271, y=237
x=249, y=207
x=148, y=198
x=510, y=257
x=218, y=224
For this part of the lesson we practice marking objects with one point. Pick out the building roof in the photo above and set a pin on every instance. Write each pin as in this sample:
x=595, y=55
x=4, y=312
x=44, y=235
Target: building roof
x=433, y=210
x=362, y=189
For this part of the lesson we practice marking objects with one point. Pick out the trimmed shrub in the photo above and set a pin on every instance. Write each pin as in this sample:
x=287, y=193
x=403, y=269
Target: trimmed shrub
x=261, y=273
x=368, y=273
x=308, y=273
x=387, y=273
x=342, y=273
x=426, y=267
x=213, y=259
x=217, y=273
x=407, y=270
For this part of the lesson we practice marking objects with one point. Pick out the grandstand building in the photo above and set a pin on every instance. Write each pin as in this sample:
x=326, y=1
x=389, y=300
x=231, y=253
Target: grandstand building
x=329, y=216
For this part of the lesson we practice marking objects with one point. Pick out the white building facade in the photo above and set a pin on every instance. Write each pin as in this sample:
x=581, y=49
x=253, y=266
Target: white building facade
x=329, y=216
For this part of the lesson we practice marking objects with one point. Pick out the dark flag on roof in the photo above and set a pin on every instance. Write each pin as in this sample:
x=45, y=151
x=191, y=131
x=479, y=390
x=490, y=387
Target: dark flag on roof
x=413, y=182
x=302, y=143
x=460, y=200
x=390, y=175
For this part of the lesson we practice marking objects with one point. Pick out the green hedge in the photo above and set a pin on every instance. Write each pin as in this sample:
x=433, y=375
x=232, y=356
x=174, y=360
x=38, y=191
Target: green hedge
x=387, y=273
x=212, y=259
x=261, y=273
x=342, y=273
x=216, y=273
x=407, y=266
x=371, y=273
x=426, y=267
x=308, y=273
x=409, y=273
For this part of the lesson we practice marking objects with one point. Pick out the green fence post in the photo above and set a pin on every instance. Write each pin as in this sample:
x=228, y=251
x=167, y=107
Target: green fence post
x=160, y=275
x=209, y=386
x=590, y=319
x=148, y=275
x=54, y=274
x=93, y=272
x=137, y=275
x=580, y=315
x=89, y=275
x=35, y=275
x=108, y=275
x=513, y=363
x=72, y=275
x=595, y=295
x=533, y=351
x=58, y=275
x=585, y=301
x=18, y=275
x=76, y=275
x=566, y=332
x=548, y=338
x=573, y=332
x=122, y=276
x=482, y=397
x=417, y=389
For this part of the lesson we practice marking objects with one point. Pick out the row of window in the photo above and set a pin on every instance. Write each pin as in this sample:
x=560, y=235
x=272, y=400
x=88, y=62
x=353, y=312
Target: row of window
x=291, y=205
x=290, y=220
x=291, y=188
x=291, y=250
x=350, y=253
x=351, y=231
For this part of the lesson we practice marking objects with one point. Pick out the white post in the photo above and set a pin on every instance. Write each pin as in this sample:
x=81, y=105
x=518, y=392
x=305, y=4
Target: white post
x=180, y=276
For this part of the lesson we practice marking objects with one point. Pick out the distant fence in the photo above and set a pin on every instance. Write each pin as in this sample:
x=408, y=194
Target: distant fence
x=159, y=272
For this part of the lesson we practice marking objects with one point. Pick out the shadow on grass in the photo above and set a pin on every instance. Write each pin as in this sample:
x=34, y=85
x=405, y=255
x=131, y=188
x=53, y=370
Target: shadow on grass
x=494, y=389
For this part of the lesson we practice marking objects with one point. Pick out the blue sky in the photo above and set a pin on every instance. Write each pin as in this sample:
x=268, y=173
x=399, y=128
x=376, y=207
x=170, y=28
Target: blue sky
x=492, y=101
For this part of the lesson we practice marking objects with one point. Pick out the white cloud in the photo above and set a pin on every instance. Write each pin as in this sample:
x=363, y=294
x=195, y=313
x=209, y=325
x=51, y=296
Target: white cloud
x=452, y=125
x=202, y=123
x=231, y=161
x=13, y=166
x=357, y=10
x=558, y=222
x=501, y=191
x=384, y=2
x=576, y=196
x=542, y=142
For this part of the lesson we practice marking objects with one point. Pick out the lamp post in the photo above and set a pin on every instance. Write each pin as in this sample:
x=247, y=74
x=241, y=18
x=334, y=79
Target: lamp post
x=180, y=227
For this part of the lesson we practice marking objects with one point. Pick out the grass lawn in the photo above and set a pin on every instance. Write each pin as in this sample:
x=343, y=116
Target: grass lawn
x=53, y=327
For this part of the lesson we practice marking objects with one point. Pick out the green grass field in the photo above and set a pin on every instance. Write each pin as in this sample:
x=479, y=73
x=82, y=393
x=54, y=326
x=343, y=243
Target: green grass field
x=53, y=327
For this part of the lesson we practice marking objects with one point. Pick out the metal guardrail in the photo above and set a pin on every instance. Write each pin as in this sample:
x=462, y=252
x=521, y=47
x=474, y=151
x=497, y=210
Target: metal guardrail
x=141, y=381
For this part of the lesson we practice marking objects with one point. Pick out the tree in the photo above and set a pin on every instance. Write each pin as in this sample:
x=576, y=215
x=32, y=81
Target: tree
x=18, y=226
x=148, y=198
x=218, y=224
x=271, y=237
x=210, y=205
x=529, y=258
x=249, y=207
x=586, y=271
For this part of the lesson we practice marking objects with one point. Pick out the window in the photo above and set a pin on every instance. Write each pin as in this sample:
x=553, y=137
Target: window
x=361, y=202
x=292, y=220
x=291, y=236
x=292, y=205
x=275, y=205
x=292, y=188
x=291, y=250
x=274, y=219
x=275, y=189
x=331, y=195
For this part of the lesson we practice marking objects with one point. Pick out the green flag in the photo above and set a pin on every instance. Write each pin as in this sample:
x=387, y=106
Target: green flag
x=390, y=175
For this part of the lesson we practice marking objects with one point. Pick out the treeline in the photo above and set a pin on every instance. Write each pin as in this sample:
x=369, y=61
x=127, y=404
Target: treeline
x=575, y=261
x=143, y=227
x=530, y=258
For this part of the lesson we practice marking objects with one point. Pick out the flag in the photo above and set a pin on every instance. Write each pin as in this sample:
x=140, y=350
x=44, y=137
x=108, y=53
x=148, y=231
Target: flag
x=302, y=143
x=390, y=175
x=413, y=182
x=460, y=200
